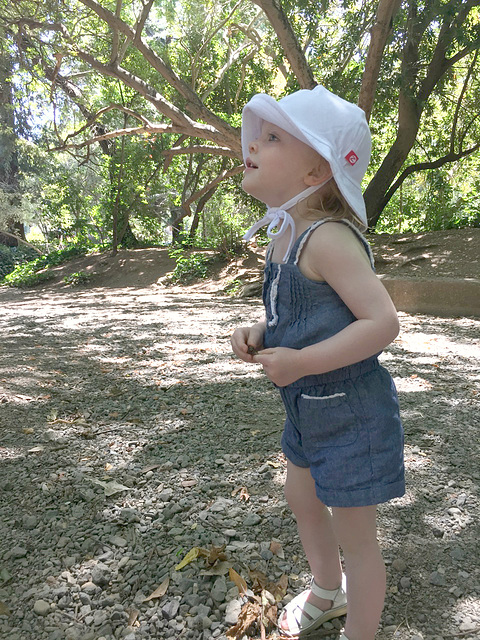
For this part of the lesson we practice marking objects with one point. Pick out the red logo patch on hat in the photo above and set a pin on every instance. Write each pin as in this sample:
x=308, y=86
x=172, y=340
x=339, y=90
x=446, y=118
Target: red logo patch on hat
x=351, y=158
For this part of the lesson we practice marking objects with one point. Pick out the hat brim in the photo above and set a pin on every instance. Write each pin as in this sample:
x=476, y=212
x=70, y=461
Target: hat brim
x=263, y=107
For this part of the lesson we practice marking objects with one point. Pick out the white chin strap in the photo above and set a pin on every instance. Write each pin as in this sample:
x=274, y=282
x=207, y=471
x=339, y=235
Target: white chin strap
x=279, y=218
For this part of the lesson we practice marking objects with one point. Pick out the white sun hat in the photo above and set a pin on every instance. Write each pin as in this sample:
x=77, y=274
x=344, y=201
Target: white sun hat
x=335, y=128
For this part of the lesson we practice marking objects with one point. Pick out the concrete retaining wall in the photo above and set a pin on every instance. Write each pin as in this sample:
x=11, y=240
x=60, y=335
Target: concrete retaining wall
x=439, y=297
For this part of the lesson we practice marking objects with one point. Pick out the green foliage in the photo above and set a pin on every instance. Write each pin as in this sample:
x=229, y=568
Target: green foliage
x=27, y=275
x=233, y=287
x=435, y=200
x=77, y=278
x=190, y=265
x=10, y=257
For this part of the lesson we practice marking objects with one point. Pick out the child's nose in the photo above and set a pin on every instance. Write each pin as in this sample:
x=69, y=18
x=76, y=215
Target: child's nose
x=252, y=147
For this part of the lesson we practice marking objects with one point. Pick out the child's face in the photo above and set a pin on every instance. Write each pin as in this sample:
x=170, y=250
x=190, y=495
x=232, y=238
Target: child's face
x=279, y=166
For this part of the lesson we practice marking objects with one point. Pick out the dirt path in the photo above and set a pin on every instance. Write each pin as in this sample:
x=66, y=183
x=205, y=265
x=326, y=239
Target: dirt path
x=134, y=393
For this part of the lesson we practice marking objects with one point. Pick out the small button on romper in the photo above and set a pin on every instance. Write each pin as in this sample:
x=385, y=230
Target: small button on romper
x=344, y=424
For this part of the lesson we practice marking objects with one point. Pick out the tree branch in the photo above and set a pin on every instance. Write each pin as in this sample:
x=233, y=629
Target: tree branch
x=115, y=39
x=288, y=40
x=19, y=240
x=434, y=164
x=220, y=178
x=213, y=151
x=131, y=131
x=233, y=57
x=460, y=100
x=380, y=31
x=194, y=104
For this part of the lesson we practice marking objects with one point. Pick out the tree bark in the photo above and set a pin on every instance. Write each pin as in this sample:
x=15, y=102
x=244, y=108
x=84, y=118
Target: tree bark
x=8, y=139
x=288, y=40
x=380, y=31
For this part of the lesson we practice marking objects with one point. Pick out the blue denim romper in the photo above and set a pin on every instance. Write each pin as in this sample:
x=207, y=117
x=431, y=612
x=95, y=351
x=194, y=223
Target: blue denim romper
x=344, y=424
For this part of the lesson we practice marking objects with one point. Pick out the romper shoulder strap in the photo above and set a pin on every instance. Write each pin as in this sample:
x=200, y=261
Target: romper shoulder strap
x=303, y=239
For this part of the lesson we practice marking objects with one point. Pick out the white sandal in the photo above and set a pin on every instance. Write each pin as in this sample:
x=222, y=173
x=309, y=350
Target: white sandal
x=303, y=618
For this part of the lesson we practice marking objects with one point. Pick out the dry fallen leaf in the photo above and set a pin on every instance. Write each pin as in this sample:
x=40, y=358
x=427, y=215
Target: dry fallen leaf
x=278, y=589
x=111, y=488
x=242, y=493
x=219, y=569
x=132, y=617
x=191, y=556
x=259, y=580
x=216, y=553
x=4, y=610
x=249, y=614
x=239, y=582
x=275, y=465
x=159, y=591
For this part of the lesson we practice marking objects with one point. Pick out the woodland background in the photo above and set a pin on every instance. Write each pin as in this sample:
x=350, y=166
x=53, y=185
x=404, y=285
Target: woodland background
x=119, y=120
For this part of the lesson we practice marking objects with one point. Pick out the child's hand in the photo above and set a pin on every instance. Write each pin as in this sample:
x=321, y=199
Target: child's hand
x=247, y=341
x=281, y=365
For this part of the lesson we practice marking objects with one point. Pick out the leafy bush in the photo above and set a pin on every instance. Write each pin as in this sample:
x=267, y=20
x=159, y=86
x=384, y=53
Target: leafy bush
x=27, y=275
x=190, y=266
x=10, y=257
x=77, y=278
x=234, y=287
x=15, y=260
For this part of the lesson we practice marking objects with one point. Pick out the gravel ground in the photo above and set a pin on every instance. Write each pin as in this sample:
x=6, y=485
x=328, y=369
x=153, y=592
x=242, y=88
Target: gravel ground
x=129, y=436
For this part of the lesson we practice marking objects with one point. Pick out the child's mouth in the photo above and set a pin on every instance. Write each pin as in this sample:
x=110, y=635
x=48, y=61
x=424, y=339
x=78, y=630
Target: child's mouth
x=249, y=164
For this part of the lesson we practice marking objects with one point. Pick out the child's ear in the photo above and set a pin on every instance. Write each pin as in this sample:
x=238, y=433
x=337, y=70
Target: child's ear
x=320, y=173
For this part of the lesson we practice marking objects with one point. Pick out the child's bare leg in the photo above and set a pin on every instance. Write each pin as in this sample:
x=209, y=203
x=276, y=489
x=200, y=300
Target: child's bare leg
x=314, y=524
x=356, y=533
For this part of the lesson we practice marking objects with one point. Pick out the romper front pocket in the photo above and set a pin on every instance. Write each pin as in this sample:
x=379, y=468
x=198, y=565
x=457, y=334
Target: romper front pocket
x=327, y=419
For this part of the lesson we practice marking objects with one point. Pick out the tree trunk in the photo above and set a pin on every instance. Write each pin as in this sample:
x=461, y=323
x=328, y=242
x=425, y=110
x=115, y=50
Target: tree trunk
x=375, y=194
x=8, y=139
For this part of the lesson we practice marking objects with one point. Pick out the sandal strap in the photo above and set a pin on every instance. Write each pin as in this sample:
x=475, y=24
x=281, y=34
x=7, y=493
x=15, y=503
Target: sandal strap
x=326, y=594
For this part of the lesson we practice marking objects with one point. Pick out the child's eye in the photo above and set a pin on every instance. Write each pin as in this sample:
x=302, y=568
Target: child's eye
x=272, y=137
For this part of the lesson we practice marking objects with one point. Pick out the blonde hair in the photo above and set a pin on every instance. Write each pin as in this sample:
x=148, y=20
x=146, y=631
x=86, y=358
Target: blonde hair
x=330, y=202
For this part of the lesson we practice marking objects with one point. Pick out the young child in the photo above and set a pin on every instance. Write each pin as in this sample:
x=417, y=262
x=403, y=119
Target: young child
x=327, y=318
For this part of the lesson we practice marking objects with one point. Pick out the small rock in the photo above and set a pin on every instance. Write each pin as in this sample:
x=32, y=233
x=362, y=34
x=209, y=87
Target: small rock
x=252, y=519
x=399, y=565
x=405, y=583
x=206, y=623
x=221, y=504
x=41, y=608
x=101, y=574
x=457, y=553
x=18, y=552
x=232, y=612
x=118, y=541
x=63, y=541
x=89, y=587
x=468, y=625
x=170, y=609
x=30, y=522
x=219, y=590
x=165, y=495
x=438, y=579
